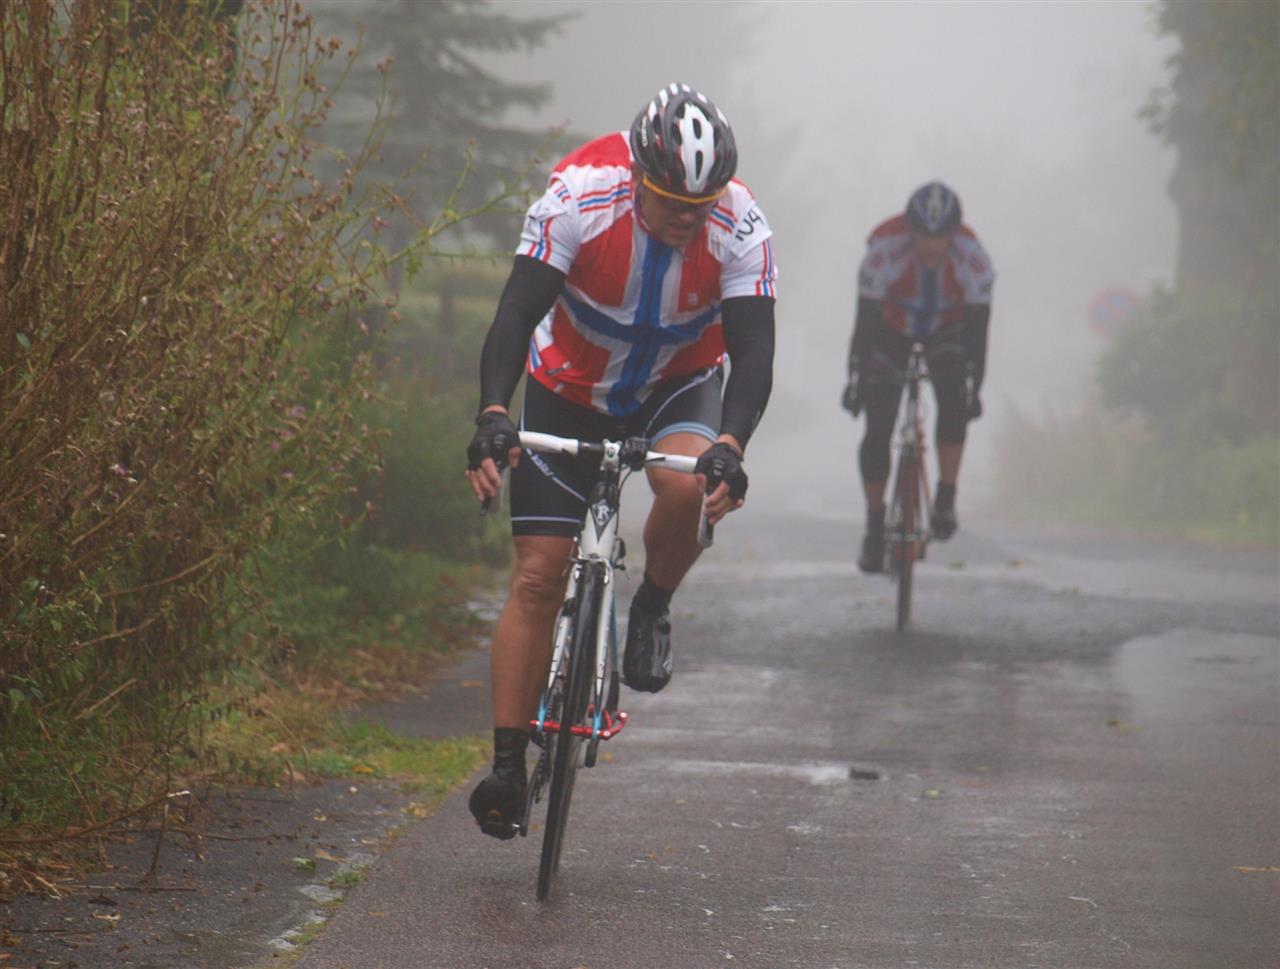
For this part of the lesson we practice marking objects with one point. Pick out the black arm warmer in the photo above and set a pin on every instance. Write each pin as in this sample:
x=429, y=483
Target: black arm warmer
x=748, y=337
x=869, y=318
x=977, y=318
x=531, y=289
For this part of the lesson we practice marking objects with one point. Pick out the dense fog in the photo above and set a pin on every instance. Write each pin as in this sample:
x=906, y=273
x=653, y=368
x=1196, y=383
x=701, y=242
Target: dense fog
x=1030, y=111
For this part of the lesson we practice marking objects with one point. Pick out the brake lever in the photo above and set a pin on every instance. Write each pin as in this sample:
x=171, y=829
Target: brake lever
x=706, y=532
x=488, y=503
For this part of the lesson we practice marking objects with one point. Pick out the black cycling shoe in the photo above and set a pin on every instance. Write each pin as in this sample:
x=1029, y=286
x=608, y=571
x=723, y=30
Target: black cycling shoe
x=646, y=661
x=942, y=523
x=498, y=804
x=872, y=558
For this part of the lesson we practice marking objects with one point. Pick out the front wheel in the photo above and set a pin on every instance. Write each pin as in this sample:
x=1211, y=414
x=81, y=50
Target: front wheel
x=579, y=665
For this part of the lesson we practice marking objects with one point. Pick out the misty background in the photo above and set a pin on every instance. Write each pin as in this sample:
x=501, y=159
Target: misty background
x=1029, y=111
x=241, y=483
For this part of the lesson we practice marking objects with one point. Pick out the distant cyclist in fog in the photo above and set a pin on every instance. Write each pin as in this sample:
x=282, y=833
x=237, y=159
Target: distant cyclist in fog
x=641, y=266
x=925, y=278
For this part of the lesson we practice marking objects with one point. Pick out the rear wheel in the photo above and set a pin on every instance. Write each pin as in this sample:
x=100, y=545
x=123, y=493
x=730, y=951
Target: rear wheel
x=904, y=545
x=579, y=665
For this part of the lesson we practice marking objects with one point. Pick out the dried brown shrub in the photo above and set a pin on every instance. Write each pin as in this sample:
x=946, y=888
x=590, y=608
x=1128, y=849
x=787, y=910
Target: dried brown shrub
x=169, y=261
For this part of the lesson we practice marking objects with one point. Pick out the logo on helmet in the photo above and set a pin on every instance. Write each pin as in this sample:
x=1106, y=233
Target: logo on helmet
x=935, y=206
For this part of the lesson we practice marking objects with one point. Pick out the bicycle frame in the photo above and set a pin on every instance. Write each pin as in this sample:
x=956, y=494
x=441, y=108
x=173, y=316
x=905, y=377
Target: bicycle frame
x=911, y=436
x=597, y=547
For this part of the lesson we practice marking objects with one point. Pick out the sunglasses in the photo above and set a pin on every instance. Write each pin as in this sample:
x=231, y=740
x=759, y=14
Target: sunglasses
x=680, y=204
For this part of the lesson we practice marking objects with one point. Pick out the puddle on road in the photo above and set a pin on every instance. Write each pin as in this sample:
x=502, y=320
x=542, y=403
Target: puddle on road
x=1192, y=676
x=819, y=774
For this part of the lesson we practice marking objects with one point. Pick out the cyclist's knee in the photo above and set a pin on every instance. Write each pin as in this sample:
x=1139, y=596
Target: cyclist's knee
x=541, y=565
x=672, y=486
x=677, y=489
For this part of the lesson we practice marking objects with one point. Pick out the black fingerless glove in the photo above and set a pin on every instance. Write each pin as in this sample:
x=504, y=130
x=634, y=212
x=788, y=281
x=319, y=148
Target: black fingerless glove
x=495, y=436
x=719, y=463
x=851, y=399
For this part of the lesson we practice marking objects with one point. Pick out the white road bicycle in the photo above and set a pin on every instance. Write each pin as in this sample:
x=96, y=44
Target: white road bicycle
x=579, y=708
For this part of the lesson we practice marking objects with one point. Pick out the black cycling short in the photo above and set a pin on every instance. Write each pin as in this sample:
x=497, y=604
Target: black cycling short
x=881, y=392
x=549, y=491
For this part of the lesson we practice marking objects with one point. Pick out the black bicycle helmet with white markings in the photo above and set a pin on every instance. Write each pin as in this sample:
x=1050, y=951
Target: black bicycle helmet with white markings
x=933, y=209
x=684, y=144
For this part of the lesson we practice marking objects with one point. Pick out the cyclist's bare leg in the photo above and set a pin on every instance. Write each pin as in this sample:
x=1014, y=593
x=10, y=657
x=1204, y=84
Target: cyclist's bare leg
x=671, y=531
x=949, y=462
x=521, y=650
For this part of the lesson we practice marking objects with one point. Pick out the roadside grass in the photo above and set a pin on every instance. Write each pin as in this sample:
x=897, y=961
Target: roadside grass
x=1089, y=468
x=303, y=731
x=1244, y=531
x=285, y=725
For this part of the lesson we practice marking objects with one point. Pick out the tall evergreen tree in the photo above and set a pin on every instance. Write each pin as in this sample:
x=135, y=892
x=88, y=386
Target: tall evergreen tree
x=445, y=103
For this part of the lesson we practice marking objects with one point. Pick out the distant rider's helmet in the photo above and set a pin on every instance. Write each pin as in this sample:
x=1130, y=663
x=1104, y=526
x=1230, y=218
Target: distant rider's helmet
x=933, y=210
x=684, y=145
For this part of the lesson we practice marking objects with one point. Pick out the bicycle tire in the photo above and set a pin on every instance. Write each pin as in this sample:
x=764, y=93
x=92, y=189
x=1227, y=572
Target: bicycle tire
x=908, y=489
x=580, y=663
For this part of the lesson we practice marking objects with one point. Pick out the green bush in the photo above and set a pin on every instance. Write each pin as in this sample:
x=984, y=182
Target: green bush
x=1094, y=467
x=1199, y=371
x=167, y=261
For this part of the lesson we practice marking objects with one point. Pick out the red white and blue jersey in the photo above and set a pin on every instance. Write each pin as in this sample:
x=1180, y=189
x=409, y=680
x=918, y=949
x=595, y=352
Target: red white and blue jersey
x=918, y=301
x=634, y=311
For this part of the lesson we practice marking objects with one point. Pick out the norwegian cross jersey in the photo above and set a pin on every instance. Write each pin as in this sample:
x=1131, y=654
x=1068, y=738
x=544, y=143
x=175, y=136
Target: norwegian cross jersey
x=918, y=301
x=634, y=311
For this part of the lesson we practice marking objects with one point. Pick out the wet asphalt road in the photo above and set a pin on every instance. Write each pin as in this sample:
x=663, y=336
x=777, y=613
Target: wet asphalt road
x=1071, y=760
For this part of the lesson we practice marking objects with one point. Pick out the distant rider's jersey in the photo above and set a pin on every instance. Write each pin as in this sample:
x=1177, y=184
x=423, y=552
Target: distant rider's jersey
x=633, y=310
x=916, y=301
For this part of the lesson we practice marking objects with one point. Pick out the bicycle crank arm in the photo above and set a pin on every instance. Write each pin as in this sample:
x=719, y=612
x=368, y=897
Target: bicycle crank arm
x=613, y=726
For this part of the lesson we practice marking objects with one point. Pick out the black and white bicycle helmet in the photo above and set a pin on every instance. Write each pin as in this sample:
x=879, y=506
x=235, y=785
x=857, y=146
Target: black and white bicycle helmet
x=933, y=209
x=684, y=144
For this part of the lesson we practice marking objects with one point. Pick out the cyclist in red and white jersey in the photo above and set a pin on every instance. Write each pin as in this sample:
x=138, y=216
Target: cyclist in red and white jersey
x=642, y=266
x=925, y=278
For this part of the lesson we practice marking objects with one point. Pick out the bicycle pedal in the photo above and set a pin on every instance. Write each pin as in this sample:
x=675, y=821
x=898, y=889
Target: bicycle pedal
x=503, y=830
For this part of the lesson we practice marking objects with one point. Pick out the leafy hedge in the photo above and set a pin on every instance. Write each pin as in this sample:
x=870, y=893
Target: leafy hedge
x=168, y=263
